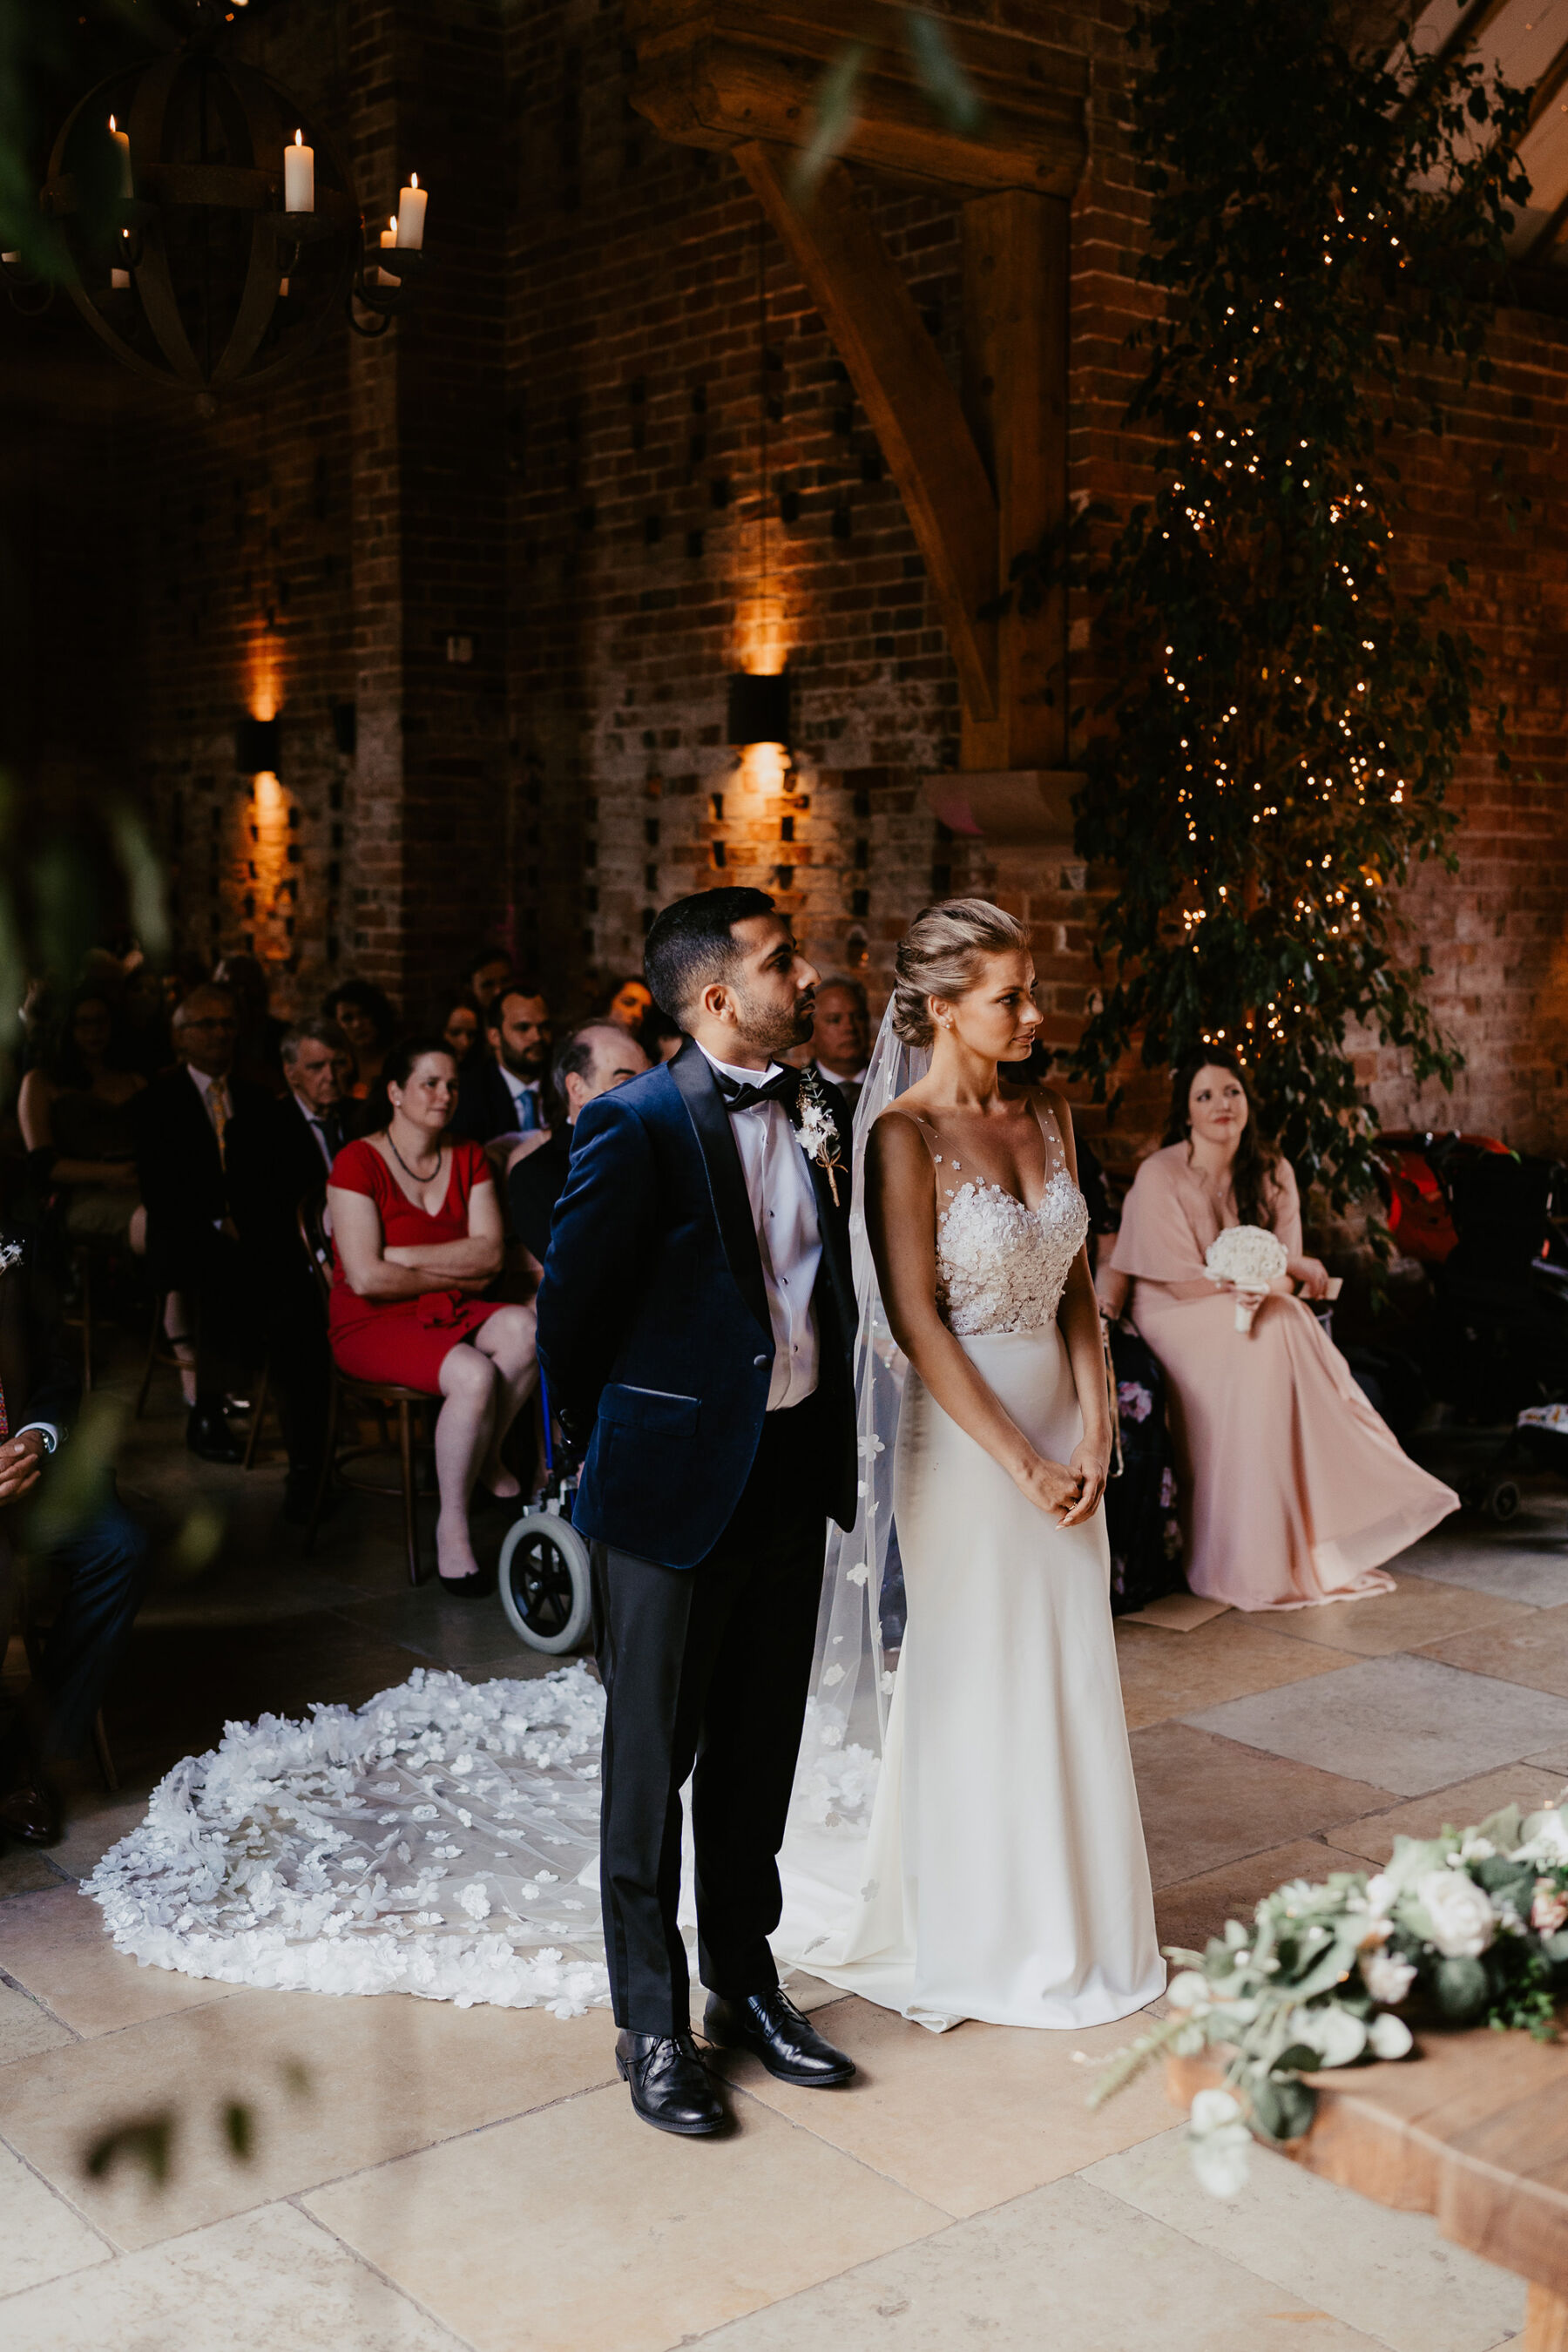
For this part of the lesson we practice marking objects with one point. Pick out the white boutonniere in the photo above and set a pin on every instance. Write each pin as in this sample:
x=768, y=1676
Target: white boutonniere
x=12, y=1254
x=814, y=1125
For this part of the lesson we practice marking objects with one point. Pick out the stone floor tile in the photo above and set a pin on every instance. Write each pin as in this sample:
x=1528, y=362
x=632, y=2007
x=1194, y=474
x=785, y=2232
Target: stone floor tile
x=1388, y=2274
x=93, y=1823
x=1207, y=1801
x=1166, y=1675
x=1410, y=1723
x=273, y=2282
x=1552, y=1760
x=40, y=2237
x=584, y=2231
x=446, y=1633
x=24, y=1870
x=55, y=1945
x=1458, y=1807
x=25, y=2028
x=1527, y=1560
x=968, y=2118
x=1066, y=2269
x=1187, y=1915
x=1420, y=1612
x=382, y=2077
x=1531, y=1648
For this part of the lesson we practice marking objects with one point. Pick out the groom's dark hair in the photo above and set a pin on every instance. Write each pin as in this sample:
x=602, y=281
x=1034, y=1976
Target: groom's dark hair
x=692, y=943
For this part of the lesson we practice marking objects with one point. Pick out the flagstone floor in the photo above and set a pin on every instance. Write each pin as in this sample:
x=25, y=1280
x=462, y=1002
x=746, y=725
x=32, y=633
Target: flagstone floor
x=424, y=2179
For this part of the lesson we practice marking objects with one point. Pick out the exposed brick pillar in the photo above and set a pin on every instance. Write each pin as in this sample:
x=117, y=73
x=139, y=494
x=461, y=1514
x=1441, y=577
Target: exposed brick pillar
x=429, y=863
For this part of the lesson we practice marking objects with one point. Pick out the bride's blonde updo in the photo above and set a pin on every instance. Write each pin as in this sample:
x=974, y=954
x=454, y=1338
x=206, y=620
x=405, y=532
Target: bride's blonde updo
x=940, y=955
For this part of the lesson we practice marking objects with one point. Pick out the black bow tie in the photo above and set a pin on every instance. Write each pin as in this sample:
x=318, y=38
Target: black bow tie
x=738, y=1096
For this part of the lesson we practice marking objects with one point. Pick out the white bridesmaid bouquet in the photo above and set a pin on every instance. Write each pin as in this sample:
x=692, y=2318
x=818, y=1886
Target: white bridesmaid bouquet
x=1251, y=1259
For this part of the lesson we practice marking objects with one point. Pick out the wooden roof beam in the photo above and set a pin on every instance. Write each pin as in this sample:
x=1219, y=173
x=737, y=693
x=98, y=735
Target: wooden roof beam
x=907, y=395
x=724, y=73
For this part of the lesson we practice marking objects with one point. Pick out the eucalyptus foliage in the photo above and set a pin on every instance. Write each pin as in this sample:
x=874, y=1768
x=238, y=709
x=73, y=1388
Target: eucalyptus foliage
x=1326, y=224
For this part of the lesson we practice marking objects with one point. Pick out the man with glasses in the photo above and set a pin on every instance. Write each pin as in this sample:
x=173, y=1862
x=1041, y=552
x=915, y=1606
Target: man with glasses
x=191, y=1128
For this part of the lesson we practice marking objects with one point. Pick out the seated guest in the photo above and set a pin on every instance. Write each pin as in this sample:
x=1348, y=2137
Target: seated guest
x=367, y=1019
x=255, y=1055
x=416, y=1233
x=98, y=1570
x=313, y=1055
x=488, y=971
x=143, y=1037
x=629, y=1004
x=1294, y=1491
x=461, y=1026
x=275, y=1163
x=75, y=1110
x=599, y=1056
x=501, y=1092
x=187, y=1125
x=839, y=1030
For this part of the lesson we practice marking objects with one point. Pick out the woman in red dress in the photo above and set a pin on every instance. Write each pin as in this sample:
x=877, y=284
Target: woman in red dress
x=416, y=1237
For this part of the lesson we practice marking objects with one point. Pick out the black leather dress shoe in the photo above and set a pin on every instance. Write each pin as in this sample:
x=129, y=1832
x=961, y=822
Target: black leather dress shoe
x=769, y=2026
x=207, y=1434
x=670, y=2085
x=30, y=1813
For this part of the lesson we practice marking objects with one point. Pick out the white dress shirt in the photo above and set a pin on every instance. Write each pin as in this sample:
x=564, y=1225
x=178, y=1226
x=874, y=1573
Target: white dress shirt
x=316, y=1126
x=783, y=1211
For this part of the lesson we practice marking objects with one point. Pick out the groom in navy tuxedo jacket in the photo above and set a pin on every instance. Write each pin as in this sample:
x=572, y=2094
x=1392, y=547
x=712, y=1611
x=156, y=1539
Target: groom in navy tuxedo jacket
x=696, y=1324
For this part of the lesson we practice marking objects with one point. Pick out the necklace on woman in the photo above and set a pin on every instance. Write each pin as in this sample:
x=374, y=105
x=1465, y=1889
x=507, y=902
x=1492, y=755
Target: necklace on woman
x=402, y=1163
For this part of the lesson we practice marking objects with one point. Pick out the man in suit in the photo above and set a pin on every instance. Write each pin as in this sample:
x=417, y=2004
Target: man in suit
x=599, y=1056
x=502, y=1093
x=280, y=1160
x=100, y=1564
x=190, y=1125
x=840, y=1032
x=696, y=1322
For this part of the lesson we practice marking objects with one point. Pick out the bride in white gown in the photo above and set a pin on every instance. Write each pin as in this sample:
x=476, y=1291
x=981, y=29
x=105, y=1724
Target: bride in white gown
x=1002, y=1873
x=964, y=1839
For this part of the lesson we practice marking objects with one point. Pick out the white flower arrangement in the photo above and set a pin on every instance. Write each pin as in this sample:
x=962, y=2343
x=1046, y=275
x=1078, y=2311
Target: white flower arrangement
x=1473, y=1924
x=1249, y=1258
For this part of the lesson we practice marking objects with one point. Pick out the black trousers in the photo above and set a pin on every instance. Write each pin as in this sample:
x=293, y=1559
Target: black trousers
x=98, y=1574
x=706, y=1672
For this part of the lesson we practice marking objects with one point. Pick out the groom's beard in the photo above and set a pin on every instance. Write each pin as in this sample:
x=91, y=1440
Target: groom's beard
x=769, y=1029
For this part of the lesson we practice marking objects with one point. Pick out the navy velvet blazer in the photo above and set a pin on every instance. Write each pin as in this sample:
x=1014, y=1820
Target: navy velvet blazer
x=653, y=1318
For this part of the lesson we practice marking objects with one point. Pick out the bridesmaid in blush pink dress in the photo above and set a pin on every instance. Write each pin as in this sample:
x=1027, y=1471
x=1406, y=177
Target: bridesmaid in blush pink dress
x=1294, y=1488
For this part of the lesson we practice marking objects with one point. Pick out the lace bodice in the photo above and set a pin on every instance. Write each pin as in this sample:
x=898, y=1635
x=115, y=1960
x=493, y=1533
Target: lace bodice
x=1002, y=1266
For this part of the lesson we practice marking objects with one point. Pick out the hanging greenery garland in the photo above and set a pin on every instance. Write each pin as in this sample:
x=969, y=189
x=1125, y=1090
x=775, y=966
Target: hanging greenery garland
x=1326, y=221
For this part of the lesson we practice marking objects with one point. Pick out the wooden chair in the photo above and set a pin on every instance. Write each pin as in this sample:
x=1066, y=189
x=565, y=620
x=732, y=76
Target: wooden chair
x=382, y=1397
x=160, y=1354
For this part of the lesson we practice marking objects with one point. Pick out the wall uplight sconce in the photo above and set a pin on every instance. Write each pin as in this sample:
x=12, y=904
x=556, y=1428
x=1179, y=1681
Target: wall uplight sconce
x=759, y=709
x=258, y=746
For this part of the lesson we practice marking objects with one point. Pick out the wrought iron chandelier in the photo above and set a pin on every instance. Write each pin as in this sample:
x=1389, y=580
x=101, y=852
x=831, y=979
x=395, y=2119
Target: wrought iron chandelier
x=215, y=236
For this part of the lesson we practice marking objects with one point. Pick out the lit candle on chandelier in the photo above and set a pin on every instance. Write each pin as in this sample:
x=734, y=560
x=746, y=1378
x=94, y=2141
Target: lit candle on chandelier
x=299, y=176
x=388, y=236
x=123, y=141
x=410, y=223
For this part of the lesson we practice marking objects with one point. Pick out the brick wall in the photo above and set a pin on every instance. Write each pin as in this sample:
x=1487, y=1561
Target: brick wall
x=613, y=457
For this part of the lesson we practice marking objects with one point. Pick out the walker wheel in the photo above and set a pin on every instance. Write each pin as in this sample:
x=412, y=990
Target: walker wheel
x=545, y=1589
x=1502, y=1499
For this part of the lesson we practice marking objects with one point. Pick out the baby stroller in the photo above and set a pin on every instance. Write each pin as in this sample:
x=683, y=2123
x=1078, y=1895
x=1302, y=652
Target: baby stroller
x=546, y=1590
